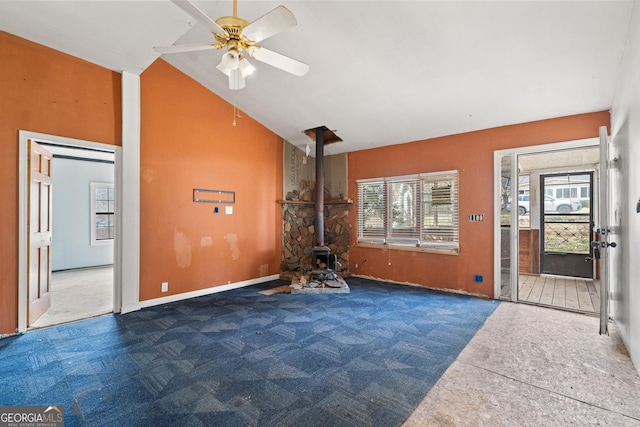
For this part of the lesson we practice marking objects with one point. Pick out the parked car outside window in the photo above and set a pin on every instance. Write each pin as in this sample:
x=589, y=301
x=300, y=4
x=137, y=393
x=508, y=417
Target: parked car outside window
x=551, y=204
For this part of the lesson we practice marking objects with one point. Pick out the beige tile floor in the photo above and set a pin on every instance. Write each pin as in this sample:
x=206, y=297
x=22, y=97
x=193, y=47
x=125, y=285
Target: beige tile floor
x=78, y=294
x=536, y=366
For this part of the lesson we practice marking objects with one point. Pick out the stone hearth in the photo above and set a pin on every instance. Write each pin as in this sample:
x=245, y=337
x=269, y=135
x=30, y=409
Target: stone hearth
x=323, y=278
x=326, y=282
x=299, y=230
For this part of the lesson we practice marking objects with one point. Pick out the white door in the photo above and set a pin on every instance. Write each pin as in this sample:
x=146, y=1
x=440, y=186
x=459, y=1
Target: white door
x=603, y=228
x=39, y=235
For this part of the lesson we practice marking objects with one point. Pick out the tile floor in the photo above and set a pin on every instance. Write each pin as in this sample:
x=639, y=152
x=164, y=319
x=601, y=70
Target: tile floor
x=536, y=366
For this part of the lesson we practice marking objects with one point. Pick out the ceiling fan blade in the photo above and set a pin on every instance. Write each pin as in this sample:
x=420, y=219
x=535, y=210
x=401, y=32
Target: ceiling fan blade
x=278, y=60
x=199, y=15
x=269, y=24
x=184, y=48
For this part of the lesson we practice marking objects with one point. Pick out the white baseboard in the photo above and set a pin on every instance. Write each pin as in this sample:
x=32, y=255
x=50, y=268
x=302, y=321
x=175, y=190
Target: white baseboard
x=128, y=308
x=202, y=292
x=417, y=285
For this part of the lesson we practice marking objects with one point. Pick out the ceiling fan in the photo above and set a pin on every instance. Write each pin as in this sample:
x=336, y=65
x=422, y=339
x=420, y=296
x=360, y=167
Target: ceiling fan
x=239, y=36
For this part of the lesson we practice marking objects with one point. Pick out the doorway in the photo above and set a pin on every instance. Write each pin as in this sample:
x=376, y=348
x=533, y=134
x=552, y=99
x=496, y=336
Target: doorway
x=83, y=230
x=545, y=220
x=566, y=224
x=72, y=265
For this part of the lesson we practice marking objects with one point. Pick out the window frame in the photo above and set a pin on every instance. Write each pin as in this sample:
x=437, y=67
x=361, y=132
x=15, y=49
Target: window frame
x=95, y=241
x=415, y=236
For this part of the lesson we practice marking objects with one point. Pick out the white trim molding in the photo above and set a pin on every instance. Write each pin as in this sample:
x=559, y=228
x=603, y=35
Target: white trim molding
x=497, y=235
x=23, y=169
x=129, y=197
x=206, y=291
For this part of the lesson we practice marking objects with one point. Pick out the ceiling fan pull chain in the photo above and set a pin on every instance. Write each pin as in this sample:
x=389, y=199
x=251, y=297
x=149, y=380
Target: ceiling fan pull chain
x=235, y=109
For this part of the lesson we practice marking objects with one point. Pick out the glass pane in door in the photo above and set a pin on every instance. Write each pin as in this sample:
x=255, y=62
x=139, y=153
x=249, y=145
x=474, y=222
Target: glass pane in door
x=506, y=205
x=567, y=224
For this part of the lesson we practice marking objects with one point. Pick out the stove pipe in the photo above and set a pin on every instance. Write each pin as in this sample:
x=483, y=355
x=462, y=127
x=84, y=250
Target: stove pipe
x=319, y=206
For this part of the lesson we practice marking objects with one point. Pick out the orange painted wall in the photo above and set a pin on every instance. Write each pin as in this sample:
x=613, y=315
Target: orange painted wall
x=187, y=142
x=42, y=90
x=472, y=155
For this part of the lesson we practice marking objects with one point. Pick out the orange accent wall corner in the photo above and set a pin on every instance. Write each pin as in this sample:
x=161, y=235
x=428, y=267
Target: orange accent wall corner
x=472, y=155
x=188, y=141
x=49, y=92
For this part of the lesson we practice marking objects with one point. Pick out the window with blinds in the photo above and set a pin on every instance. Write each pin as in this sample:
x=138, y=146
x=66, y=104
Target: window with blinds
x=371, y=211
x=440, y=209
x=416, y=210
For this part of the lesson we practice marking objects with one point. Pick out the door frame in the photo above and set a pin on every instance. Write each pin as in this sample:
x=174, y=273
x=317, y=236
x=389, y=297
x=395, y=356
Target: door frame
x=23, y=167
x=514, y=153
x=605, y=226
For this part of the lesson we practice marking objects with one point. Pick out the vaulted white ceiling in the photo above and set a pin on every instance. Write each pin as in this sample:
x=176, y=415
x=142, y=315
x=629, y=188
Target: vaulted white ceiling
x=382, y=72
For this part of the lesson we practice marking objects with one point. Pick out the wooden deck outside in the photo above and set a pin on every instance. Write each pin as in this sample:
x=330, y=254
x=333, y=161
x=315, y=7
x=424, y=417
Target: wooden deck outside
x=566, y=292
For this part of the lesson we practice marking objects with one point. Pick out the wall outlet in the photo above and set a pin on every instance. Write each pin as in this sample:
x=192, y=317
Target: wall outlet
x=165, y=287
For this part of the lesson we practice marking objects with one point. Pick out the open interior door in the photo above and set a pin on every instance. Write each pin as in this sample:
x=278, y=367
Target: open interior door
x=39, y=232
x=603, y=230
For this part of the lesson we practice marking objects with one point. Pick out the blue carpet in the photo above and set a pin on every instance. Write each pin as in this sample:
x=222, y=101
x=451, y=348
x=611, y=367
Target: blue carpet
x=240, y=358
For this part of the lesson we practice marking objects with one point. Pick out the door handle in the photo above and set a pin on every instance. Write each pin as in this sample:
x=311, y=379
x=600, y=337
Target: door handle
x=603, y=244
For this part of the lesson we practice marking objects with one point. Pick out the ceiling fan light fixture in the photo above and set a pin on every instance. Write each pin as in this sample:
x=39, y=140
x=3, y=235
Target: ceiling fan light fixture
x=230, y=60
x=236, y=81
x=245, y=67
x=223, y=69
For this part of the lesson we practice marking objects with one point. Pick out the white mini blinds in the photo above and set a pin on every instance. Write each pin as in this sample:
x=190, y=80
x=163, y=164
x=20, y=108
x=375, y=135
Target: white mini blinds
x=414, y=210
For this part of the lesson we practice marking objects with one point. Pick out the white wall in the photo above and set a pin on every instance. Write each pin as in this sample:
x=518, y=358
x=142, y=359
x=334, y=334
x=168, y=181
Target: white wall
x=71, y=245
x=625, y=130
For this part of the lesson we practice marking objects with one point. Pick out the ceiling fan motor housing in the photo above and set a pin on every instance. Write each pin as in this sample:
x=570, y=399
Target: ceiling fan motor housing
x=233, y=39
